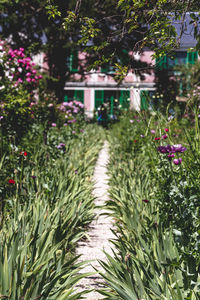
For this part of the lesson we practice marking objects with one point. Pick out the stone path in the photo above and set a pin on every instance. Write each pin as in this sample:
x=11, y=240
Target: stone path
x=99, y=232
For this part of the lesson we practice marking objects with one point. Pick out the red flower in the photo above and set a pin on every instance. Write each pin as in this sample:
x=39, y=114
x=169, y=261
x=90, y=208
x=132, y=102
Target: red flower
x=24, y=153
x=145, y=200
x=166, y=129
x=157, y=138
x=135, y=141
x=11, y=181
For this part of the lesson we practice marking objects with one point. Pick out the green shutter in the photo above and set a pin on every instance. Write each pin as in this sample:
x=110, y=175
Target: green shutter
x=144, y=97
x=112, y=105
x=65, y=98
x=124, y=57
x=73, y=61
x=192, y=57
x=124, y=99
x=99, y=98
x=79, y=95
x=105, y=69
x=161, y=63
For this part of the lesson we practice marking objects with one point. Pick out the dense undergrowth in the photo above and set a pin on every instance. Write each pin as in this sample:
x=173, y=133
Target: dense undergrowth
x=46, y=205
x=154, y=191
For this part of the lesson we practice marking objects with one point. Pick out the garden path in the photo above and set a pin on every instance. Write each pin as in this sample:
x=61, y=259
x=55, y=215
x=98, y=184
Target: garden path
x=99, y=232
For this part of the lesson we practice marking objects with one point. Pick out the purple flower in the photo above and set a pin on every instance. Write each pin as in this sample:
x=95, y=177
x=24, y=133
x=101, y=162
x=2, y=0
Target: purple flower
x=171, y=149
x=1, y=117
x=60, y=146
x=171, y=155
x=164, y=136
x=153, y=131
x=179, y=148
x=177, y=161
x=162, y=149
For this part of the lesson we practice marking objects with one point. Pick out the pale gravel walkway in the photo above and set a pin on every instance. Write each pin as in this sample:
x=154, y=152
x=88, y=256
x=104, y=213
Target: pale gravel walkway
x=99, y=231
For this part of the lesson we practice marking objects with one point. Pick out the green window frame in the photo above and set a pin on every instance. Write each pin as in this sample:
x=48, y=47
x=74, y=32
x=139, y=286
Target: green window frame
x=79, y=95
x=192, y=57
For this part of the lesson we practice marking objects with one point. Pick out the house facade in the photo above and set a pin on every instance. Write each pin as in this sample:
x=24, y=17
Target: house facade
x=100, y=87
x=133, y=92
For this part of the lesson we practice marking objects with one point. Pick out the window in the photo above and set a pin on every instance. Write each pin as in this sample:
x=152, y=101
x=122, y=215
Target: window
x=113, y=98
x=99, y=98
x=167, y=62
x=192, y=57
x=71, y=95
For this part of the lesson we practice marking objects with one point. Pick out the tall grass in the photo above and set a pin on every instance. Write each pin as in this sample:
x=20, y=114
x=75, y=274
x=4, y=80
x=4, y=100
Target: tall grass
x=45, y=212
x=156, y=208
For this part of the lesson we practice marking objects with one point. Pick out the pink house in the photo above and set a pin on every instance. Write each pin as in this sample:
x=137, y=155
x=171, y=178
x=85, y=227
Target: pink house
x=99, y=86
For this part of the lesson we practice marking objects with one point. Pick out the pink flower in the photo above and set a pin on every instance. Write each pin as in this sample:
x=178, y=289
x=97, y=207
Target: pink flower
x=166, y=129
x=153, y=131
x=53, y=124
x=28, y=79
x=131, y=121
